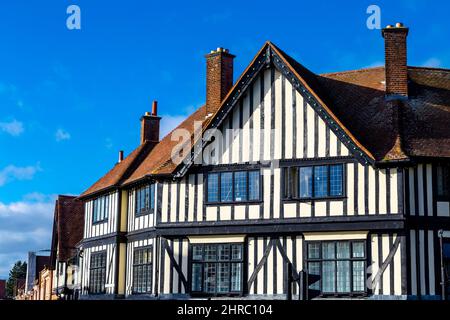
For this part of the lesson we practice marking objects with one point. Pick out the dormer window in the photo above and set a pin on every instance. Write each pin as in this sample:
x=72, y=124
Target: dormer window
x=443, y=182
x=145, y=200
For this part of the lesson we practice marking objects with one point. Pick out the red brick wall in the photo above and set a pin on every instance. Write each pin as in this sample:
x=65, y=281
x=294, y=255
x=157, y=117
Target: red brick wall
x=219, y=78
x=396, y=61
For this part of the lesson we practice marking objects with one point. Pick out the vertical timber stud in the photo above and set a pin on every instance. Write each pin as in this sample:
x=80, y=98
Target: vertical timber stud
x=443, y=293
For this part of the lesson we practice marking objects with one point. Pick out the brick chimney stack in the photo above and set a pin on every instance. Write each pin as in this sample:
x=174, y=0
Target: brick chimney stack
x=396, y=68
x=219, y=77
x=150, y=125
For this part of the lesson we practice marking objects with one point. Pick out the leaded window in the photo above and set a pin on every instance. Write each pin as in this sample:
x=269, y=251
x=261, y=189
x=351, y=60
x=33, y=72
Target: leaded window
x=217, y=268
x=97, y=272
x=100, y=209
x=142, y=270
x=340, y=265
x=312, y=182
x=233, y=186
x=145, y=200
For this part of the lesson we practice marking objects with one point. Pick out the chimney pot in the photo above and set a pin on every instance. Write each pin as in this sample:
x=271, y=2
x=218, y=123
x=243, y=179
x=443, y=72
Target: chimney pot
x=154, y=108
x=120, y=156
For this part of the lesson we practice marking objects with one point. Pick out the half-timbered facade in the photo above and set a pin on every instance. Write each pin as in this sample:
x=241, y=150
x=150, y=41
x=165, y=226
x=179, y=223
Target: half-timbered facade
x=296, y=184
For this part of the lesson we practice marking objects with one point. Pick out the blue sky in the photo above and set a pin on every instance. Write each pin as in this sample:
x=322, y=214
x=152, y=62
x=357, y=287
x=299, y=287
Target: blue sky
x=70, y=99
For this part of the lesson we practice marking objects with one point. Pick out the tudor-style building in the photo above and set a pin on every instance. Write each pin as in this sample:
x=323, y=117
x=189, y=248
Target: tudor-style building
x=340, y=180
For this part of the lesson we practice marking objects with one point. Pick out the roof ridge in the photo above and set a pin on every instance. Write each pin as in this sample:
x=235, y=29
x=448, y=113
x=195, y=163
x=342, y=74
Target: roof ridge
x=351, y=71
x=429, y=68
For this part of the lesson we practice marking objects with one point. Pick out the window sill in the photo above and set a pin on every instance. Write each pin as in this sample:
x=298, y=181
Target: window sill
x=99, y=222
x=234, y=203
x=142, y=213
x=216, y=295
x=313, y=199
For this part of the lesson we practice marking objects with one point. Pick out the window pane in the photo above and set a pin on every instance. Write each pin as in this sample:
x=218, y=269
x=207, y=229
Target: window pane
x=446, y=250
x=196, y=277
x=152, y=196
x=358, y=276
x=314, y=269
x=223, y=277
x=210, y=252
x=343, y=276
x=226, y=187
x=236, y=271
x=197, y=253
x=224, y=252
x=240, y=186
x=293, y=180
x=210, y=277
x=443, y=181
x=328, y=276
x=253, y=187
x=213, y=187
x=358, y=249
x=236, y=253
x=306, y=182
x=328, y=250
x=320, y=181
x=336, y=172
x=314, y=250
x=343, y=250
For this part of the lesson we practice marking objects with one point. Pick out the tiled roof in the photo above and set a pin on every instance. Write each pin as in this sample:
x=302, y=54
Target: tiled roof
x=384, y=130
x=121, y=170
x=423, y=121
x=158, y=161
x=68, y=227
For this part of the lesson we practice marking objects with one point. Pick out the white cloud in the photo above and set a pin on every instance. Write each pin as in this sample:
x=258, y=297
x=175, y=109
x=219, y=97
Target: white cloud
x=432, y=63
x=24, y=226
x=168, y=123
x=61, y=135
x=14, y=127
x=12, y=172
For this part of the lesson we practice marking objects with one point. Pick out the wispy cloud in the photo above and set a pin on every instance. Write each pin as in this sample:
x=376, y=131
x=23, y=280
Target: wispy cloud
x=432, y=62
x=13, y=127
x=168, y=123
x=109, y=143
x=12, y=173
x=24, y=226
x=375, y=64
x=61, y=135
